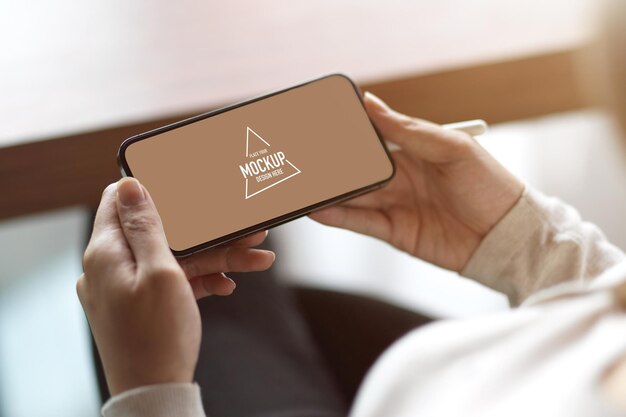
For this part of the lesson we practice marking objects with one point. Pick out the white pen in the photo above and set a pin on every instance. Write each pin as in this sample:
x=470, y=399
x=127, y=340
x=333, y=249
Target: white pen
x=472, y=127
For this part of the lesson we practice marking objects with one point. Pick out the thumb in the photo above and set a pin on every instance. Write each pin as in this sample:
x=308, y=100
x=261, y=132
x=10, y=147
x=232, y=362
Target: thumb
x=141, y=224
x=418, y=138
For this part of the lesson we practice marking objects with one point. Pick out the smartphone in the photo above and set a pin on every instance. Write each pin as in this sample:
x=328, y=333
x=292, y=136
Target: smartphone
x=259, y=163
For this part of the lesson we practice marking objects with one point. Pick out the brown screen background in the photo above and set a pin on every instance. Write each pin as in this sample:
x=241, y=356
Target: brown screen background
x=193, y=174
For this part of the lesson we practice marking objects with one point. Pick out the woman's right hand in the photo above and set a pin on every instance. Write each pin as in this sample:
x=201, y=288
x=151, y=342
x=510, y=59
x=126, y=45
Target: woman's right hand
x=448, y=192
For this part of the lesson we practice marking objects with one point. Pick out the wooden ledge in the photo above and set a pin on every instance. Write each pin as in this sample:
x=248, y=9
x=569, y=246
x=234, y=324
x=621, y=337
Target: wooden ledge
x=73, y=170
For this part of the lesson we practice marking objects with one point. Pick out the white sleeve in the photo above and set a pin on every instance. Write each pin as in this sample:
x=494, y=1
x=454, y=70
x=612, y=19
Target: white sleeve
x=177, y=399
x=541, y=242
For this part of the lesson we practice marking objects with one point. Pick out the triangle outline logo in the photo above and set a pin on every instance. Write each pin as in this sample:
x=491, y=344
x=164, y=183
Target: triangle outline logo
x=251, y=134
x=248, y=131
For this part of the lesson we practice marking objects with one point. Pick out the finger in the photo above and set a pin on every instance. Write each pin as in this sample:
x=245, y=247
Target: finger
x=212, y=284
x=227, y=259
x=370, y=200
x=106, y=216
x=361, y=220
x=107, y=245
x=141, y=224
x=252, y=240
x=419, y=138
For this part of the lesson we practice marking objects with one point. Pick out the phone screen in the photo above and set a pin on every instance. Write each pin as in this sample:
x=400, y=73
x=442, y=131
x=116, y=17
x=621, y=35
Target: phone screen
x=256, y=164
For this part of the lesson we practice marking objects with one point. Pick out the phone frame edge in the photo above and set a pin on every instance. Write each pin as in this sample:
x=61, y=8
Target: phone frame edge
x=277, y=221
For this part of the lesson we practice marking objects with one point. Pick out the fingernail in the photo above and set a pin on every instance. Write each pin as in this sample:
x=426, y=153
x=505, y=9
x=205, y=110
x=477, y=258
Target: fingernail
x=271, y=253
x=130, y=192
x=230, y=279
x=376, y=99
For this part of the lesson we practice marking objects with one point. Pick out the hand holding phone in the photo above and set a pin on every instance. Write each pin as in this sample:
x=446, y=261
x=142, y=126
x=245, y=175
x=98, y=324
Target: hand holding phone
x=257, y=164
x=133, y=289
x=447, y=194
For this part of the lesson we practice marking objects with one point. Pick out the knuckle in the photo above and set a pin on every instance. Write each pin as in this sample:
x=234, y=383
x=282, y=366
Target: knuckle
x=207, y=285
x=229, y=260
x=139, y=223
x=409, y=123
x=190, y=266
x=464, y=142
x=89, y=258
x=98, y=248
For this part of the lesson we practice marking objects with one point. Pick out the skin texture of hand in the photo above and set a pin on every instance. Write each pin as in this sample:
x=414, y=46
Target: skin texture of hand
x=140, y=301
x=448, y=192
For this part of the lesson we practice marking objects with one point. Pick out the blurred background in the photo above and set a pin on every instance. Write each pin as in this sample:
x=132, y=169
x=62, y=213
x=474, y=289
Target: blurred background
x=79, y=77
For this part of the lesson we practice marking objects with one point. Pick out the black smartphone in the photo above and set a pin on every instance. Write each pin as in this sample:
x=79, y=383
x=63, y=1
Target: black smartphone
x=259, y=163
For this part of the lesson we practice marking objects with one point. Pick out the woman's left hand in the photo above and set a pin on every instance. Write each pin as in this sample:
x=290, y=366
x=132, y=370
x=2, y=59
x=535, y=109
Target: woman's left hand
x=140, y=301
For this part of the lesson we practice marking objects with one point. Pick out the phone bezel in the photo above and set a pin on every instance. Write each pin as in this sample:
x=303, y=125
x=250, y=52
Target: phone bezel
x=126, y=171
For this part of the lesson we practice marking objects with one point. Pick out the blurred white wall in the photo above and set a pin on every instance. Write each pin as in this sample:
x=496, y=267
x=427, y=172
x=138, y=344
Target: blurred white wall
x=45, y=356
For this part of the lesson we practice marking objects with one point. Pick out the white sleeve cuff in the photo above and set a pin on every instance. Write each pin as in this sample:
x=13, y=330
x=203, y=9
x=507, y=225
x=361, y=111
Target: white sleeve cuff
x=504, y=245
x=176, y=399
x=539, y=244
